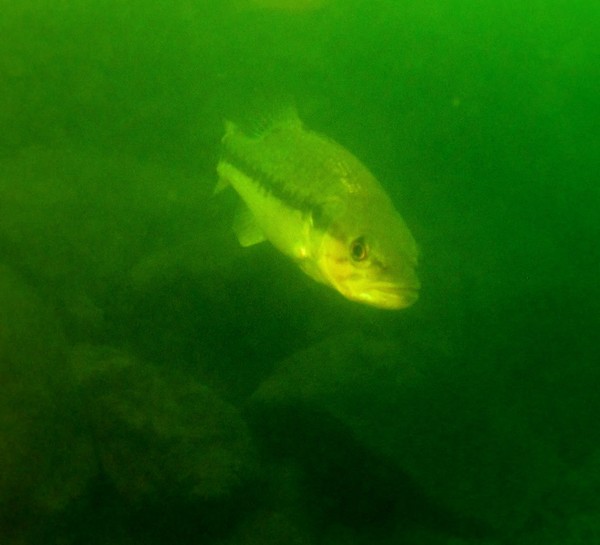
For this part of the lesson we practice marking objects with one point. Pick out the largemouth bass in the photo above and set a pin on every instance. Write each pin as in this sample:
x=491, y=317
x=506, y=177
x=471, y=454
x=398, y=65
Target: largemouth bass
x=319, y=205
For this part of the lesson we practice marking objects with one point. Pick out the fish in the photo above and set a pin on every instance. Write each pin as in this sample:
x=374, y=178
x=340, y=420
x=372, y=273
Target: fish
x=320, y=206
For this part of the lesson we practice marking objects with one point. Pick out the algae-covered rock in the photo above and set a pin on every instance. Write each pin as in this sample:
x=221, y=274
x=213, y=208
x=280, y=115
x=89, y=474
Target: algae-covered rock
x=450, y=428
x=159, y=434
x=45, y=455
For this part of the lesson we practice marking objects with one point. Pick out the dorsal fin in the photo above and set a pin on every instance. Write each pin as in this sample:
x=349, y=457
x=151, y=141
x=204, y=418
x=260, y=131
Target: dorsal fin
x=262, y=115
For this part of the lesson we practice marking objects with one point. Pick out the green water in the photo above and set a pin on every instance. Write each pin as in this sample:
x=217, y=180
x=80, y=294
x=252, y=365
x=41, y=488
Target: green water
x=160, y=384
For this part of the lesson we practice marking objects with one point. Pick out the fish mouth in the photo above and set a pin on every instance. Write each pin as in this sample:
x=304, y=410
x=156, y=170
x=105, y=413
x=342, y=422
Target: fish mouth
x=391, y=296
x=399, y=297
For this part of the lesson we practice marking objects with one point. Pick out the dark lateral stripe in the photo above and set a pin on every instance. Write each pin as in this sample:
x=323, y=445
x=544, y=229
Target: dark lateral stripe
x=277, y=188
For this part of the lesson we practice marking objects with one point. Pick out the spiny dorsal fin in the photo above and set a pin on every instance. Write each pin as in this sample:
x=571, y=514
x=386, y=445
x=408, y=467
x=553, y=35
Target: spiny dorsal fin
x=263, y=115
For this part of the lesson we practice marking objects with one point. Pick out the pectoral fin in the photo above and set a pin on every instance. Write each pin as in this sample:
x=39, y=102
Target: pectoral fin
x=246, y=228
x=221, y=185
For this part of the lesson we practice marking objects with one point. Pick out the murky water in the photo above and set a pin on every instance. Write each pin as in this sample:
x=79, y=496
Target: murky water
x=161, y=384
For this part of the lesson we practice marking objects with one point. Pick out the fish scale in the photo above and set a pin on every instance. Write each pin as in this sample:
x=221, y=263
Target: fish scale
x=304, y=162
x=270, y=183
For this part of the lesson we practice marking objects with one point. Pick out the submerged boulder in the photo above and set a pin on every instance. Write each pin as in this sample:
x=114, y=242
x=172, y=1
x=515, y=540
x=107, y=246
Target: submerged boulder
x=46, y=458
x=444, y=423
x=77, y=219
x=159, y=434
x=269, y=528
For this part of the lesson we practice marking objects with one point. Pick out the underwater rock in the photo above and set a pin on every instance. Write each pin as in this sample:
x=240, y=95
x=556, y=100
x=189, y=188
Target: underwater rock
x=200, y=255
x=448, y=427
x=46, y=458
x=269, y=528
x=578, y=529
x=159, y=434
x=569, y=515
x=76, y=220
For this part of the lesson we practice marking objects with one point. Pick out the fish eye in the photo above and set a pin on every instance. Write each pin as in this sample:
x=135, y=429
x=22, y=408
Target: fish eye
x=359, y=250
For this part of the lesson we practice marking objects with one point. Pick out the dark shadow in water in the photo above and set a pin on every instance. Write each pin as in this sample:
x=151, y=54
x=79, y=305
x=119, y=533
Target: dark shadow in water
x=343, y=483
